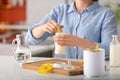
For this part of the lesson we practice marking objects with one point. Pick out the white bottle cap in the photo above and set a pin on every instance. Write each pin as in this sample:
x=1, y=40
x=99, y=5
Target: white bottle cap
x=60, y=65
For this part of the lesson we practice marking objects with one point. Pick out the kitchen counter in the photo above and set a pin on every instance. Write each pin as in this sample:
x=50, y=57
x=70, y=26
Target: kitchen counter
x=11, y=70
x=45, y=49
x=14, y=27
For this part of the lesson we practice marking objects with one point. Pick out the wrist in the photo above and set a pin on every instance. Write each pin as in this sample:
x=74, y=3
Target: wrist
x=37, y=32
x=86, y=44
x=41, y=29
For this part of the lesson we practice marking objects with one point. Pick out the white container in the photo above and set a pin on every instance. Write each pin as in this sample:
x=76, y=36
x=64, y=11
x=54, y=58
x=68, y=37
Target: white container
x=94, y=63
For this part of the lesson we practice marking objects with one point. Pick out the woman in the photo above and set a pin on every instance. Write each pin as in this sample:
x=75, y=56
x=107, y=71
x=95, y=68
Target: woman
x=86, y=24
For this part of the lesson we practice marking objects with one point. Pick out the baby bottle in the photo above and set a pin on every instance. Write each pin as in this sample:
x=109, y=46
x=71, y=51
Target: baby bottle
x=59, y=49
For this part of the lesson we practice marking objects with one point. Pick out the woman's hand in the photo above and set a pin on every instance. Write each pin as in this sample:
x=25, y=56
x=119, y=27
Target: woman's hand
x=50, y=27
x=67, y=40
x=74, y=41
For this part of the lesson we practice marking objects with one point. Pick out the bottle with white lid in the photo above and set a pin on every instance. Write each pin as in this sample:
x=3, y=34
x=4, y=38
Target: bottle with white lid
x=114, y=52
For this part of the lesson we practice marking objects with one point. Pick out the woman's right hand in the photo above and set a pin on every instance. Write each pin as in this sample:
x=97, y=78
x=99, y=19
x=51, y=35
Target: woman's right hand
x=50, y=27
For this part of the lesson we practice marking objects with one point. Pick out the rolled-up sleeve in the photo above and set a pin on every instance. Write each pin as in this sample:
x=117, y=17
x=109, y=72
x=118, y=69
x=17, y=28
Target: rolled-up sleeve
x=50, y=16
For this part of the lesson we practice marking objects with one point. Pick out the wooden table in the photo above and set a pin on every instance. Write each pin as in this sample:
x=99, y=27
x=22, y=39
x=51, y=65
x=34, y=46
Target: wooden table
x=10, y=70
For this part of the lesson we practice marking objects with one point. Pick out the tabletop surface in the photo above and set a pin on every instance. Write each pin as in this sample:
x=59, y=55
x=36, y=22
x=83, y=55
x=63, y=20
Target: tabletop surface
x=11, y=70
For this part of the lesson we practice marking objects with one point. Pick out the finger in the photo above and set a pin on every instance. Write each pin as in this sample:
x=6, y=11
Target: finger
x=63, y=36
x=56, y=25
x=53, y=23
x=47, y=29
x=65, y=43
x=68, y=42
x=49, y=26
x=61, y=40
x=52, y=27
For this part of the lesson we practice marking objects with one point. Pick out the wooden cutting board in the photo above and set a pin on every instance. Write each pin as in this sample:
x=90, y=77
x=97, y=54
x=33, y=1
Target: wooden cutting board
x=36, y=65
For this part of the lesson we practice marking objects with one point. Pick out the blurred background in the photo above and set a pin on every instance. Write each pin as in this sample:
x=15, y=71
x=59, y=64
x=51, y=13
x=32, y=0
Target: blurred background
x=17, y=15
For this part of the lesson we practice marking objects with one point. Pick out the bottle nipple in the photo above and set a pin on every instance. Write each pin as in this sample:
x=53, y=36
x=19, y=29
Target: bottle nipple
x=59, y=28
x=58, y=31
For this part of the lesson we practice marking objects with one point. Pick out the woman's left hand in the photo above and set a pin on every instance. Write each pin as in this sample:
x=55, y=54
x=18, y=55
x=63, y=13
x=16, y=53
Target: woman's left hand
x=74, y=41
x=67, y=40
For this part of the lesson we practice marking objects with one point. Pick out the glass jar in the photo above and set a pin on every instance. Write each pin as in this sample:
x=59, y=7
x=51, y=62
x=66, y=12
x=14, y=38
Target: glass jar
x=21, y=49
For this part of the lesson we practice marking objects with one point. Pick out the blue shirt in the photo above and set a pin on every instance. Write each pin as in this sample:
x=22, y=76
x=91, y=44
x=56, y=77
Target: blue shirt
x=95, y=23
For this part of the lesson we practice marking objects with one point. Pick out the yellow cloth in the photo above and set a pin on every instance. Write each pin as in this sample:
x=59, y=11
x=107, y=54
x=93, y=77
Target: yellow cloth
x=45, y=68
